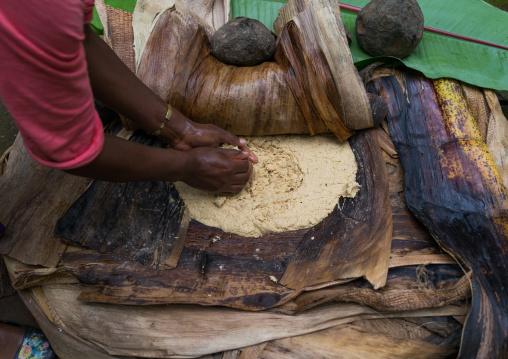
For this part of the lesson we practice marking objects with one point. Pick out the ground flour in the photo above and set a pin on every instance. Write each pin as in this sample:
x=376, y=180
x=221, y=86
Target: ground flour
x=295, y=185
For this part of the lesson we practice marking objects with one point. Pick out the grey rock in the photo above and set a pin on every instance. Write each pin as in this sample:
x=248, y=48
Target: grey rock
x=390, y=27
x=243, y=42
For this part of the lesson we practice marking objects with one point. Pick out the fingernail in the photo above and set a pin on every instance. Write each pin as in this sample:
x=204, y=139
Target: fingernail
x=243, y=141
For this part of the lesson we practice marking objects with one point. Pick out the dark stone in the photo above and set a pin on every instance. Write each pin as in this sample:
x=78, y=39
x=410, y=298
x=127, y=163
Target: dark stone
x=390, y=27
x=243, y=42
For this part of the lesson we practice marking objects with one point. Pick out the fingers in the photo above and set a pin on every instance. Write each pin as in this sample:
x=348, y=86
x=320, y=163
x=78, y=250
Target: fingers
x=241, y=143
x=211, y=136
x=235, y=154
x=223, y=136
x=252, y=157
x=243, y=147
x=221, y=170
x=241, y=161
x=241, y=178
x=241, y=167
x=241, y=155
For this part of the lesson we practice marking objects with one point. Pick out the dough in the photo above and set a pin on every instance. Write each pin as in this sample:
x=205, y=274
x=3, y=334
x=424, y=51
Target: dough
x=296, y=184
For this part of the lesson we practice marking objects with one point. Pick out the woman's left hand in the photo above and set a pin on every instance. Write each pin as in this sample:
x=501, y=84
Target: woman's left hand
x=183, y=135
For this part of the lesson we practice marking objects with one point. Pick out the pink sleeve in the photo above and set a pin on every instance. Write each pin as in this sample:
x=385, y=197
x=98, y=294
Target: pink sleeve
x=44, y=80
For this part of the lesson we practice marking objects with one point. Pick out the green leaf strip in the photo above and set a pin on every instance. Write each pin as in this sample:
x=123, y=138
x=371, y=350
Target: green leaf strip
x=437, y=31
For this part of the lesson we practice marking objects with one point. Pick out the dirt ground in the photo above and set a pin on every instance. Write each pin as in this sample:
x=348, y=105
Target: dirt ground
x=11, y=307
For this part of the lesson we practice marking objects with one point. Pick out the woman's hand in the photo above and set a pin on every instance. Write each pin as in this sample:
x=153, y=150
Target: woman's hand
x=183, y=135
x=219, y=170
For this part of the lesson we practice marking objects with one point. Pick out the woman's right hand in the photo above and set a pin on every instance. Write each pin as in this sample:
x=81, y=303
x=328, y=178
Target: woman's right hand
x=219, y=170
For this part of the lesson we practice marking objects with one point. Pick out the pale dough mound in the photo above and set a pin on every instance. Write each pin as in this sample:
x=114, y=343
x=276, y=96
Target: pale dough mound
x=296, y=184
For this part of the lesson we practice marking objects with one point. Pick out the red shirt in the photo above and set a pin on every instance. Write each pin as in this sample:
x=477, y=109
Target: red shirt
x=44, y=80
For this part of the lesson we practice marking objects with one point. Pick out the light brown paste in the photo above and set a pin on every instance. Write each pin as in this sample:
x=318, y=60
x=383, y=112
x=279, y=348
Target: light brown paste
x=296, y=184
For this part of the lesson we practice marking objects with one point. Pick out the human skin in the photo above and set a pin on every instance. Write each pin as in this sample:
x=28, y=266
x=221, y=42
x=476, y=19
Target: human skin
x=194, y=157
x=10, y=340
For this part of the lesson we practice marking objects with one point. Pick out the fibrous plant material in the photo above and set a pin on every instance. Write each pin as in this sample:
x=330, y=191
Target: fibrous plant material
x=453, y=187
x=497, y=135
x=327, y=251
x=27, y=189
x=243, y=42
x=184, y=331
x=142, y=221
x=314, y=55
x=296, y=184
x=6, y=288
x=390, y=27
x=351, y=341
x=379, y=108
x=235, y=270
x=265, y=99
x=243, y=100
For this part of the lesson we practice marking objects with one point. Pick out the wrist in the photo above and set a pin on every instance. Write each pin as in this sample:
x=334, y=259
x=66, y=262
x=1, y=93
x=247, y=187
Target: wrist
x=163, y=122
x=188, y=164
x=176, y=130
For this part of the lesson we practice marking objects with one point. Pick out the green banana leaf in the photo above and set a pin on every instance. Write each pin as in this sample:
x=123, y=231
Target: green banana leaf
x=436, y=55
x=96, y=23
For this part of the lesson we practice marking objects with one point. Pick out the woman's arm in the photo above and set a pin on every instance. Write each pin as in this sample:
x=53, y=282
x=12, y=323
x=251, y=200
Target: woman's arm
x=200, y=163
x=117, y=86
x=209, y=168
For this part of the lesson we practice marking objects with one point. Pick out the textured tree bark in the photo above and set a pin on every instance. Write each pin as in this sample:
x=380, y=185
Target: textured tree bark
x=454, y=189
x=142, y=221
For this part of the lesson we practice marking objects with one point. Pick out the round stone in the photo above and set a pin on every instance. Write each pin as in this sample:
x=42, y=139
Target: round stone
x=243, y=42
x=390, y=27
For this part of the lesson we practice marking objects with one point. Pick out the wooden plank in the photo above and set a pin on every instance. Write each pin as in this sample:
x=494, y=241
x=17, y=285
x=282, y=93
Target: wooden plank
x=202, y=277
x=454, y=189
x=233, y=272
x=142, y=221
